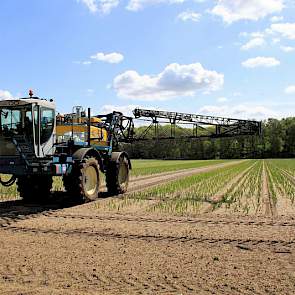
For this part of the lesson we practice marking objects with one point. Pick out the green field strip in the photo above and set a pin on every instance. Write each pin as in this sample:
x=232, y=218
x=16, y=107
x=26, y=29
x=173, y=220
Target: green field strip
x=150, y=167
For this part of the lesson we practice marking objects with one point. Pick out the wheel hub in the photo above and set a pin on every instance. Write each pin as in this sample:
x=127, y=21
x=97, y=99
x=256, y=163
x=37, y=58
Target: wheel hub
x=90, y=180
x=123, y=174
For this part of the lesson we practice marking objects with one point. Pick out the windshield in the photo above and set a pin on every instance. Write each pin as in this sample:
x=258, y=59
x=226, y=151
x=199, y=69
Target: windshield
x=15, y=121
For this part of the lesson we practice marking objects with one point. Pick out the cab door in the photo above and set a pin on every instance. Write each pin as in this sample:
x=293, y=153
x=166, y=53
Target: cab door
x=47, y=131
x=36, y=116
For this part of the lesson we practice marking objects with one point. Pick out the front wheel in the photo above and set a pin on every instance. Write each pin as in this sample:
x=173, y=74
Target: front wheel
x=117, y=176
x=84, y=182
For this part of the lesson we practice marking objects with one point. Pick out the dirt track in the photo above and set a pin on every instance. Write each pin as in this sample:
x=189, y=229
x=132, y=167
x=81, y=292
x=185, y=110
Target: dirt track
x=80, y=250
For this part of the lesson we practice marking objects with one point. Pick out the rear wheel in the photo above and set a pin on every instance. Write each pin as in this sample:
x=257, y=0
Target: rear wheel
x=83, y=183
x=33, y=188
x=117, y=176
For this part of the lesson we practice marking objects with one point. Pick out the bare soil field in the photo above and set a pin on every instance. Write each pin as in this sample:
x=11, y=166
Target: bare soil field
x=102, y=248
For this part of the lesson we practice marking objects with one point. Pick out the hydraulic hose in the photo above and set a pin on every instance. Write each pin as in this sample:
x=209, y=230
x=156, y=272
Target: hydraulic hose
x=9, y=182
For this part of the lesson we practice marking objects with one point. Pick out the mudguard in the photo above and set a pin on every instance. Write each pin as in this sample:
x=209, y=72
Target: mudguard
x=117, y=155
x=82, y=153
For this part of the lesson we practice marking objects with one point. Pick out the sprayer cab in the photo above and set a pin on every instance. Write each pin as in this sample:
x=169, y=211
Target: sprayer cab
x=27, y=131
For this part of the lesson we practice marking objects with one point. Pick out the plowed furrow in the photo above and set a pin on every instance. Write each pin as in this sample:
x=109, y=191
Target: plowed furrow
x=100, y=282
x=177, y=221
x=255, y=244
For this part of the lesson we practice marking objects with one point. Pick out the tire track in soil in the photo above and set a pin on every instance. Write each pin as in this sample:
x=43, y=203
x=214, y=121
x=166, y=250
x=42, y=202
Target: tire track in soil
x=119, y=217
x=22, y=212
x=101, y=281
x=245, y=244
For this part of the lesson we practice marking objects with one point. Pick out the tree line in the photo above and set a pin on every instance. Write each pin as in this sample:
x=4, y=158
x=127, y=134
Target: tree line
x=276, y=141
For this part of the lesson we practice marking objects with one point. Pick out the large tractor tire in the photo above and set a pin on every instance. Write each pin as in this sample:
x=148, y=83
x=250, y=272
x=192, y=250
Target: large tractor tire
x=83, y=183
x=117, y=176
x=34, y=188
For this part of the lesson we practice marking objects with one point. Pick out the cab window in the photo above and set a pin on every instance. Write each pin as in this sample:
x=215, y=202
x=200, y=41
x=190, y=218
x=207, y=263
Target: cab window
x=47, y=124
x=36, y=123
x=28, y=125
x=10, y=120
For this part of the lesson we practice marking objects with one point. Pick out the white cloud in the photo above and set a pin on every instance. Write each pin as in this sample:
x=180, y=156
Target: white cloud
x=261, y=61
x=91, y=5
x=276, y=19
x=87, y=62
x=235, y=10
x=112, y=58
x=241, y=111
x=287, y=48
x=253, y=34
x=103, y=6
x=174, y=80
x=290, y=89
x=222, y=99
x=256, y=42
x=189, y=15
x=106, y=6
x=276, y=40
x=136, y=5
x=5, y=94
x=125, y=109
x=287, y=30
x=90, y=91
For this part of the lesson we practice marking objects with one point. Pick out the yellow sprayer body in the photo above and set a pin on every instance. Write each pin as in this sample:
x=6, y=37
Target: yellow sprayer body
x=78, y=131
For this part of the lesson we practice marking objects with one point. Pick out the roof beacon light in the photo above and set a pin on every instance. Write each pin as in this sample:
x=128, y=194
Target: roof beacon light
x=31, y=93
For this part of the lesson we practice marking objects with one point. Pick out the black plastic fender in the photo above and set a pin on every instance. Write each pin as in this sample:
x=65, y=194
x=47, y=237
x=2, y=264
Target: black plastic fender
x=82, y=153
x=117, y=155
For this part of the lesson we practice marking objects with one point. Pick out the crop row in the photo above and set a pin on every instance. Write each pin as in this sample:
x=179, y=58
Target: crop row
x=281, y=179
x=285, y=164
x=189, y=193
x=253, y=187
x=245, y=195
x=232, y=189
x=148, y=167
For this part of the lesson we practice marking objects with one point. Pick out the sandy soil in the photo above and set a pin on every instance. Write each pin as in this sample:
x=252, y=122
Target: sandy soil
x=67, y=249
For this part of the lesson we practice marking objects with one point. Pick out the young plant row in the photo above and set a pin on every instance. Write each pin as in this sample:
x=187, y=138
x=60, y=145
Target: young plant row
x=281, y=179
x=149, y=167
x=287, y=165
x=245, y=196
x=190, y=193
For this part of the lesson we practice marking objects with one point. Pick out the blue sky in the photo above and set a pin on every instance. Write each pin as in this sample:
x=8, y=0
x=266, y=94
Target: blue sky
x=227, y=57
